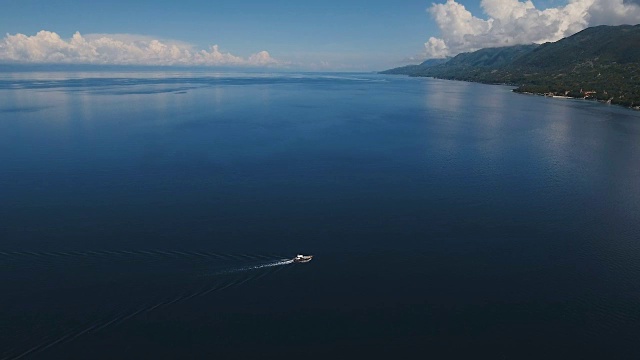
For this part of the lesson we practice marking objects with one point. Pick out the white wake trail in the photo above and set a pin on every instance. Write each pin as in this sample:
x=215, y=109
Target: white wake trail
x=254, y=267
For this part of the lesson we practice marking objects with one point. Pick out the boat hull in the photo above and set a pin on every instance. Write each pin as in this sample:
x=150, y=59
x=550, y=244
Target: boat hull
x=302, y=259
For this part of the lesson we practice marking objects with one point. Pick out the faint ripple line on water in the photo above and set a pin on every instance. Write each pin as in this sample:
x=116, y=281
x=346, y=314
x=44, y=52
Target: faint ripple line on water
x=51, y=258
x=232, y=256
x=43, y=345
x=164, y=253
x=154, y=254
x=248, y=256
x=180, y=253
x=198, y=254
x=216, y=255
x=268, y=257
x=109, y=322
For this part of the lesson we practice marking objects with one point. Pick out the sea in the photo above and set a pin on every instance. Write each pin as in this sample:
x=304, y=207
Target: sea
x=153, y=214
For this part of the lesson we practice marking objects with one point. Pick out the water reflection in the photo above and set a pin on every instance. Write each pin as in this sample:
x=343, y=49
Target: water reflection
x=444, y=95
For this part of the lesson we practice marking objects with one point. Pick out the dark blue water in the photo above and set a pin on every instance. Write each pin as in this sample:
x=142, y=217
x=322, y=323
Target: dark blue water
x=147, y=215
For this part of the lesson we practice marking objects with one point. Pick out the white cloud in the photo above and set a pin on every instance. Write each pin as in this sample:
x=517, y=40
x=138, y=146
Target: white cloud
x=118, y=49
x=512, y=22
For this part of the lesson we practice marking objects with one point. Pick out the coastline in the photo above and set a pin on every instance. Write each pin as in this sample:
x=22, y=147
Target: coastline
x=567, y=97
x=518, y=89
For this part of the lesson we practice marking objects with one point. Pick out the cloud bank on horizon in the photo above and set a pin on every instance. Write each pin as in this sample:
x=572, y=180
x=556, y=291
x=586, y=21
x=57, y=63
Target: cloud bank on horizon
x=514, y=22
x=118, y=49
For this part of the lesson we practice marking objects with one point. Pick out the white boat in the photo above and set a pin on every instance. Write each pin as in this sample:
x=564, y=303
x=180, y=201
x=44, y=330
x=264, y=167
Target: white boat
x=302, y=258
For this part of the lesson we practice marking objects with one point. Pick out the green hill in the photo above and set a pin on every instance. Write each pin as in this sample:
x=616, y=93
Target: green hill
x=600, y=63
x=412, y=69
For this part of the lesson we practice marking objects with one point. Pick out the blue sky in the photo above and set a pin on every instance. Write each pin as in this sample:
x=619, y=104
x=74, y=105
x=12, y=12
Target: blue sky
x=337, y=34
x=338, y=31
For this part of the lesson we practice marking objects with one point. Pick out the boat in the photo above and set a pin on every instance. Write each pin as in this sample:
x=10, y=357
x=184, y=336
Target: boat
x=302, y=258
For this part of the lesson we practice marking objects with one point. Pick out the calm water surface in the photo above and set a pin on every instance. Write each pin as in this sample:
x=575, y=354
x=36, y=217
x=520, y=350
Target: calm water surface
x=149, y=215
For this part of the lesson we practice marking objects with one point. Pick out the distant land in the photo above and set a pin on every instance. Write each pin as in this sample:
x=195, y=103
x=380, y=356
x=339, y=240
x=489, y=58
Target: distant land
x=599, y=63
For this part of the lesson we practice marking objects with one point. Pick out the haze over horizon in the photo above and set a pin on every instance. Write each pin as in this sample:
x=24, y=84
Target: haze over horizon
x=338, y=36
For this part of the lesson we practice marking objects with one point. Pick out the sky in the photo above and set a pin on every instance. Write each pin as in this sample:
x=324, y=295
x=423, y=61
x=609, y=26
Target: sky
x=338, y=35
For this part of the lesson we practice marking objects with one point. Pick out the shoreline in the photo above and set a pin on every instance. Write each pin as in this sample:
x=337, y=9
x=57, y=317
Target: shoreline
x=564, y=97
x=517, y=91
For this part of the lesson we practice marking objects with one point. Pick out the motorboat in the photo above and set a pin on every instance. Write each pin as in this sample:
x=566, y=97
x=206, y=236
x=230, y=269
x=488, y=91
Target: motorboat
x=302, y=258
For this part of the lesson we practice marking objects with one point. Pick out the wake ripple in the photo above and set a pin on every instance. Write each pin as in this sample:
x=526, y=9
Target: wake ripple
x=270, y=267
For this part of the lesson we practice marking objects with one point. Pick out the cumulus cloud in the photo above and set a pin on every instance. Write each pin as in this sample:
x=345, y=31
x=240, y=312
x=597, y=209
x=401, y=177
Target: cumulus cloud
x=513, y=22
x=120, y=49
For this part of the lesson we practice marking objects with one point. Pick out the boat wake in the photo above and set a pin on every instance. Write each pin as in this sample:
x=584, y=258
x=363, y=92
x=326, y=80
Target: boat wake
x=48, y=259
x=254, y=267
x=209, y=283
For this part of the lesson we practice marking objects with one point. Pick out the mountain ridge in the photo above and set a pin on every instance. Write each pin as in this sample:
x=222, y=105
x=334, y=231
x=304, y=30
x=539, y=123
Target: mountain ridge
x=600, y=63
